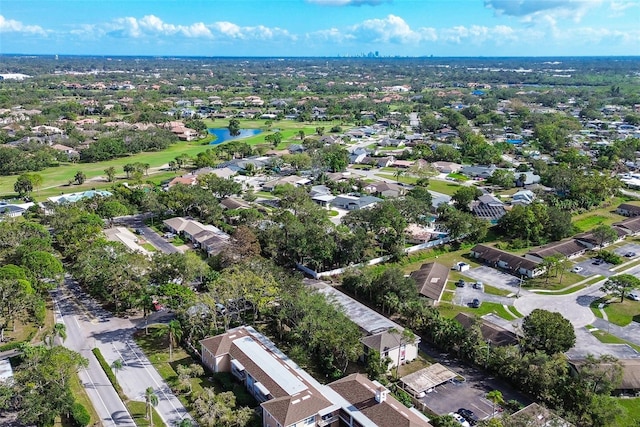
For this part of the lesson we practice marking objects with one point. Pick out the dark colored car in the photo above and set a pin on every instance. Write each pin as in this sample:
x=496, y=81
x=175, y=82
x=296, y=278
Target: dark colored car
x=630, y=254
x=468, y=415
x=460, y=283
x=475, y=303
x=140, y=231
x=598, y=261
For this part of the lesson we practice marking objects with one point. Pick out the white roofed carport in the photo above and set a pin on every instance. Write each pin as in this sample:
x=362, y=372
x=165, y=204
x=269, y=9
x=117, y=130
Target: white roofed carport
x=427, y=379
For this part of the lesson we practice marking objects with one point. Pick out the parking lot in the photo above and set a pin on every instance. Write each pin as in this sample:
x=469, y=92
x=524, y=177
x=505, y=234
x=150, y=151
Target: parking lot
x=589, y=268
x=493, y=277
x=468, y=293
x=470, y=394
x=631, y=247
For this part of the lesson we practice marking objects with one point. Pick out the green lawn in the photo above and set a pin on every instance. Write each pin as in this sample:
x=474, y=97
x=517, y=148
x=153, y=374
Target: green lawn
x=138, y=411
x=458, y=177
x=450, y=310
x=444, y=187
x=491, y=290
x=80, y=395
x=631, y=414
x=607, y=338
x=622, y=313
x=55, y=177
x=604, y=215
x=553, y=283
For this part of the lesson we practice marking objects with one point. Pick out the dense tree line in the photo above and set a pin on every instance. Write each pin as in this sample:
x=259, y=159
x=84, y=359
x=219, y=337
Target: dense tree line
x=127, y=142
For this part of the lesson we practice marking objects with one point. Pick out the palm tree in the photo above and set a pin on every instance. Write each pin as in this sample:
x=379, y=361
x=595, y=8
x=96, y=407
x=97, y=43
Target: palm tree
x=495, y=396
x=59, y=330
x=151, y=399
x=117, y=365
x=405, y=337
x=174, y=329
x=398, y=173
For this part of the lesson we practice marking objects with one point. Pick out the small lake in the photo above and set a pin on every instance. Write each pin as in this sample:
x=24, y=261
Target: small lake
x=222, y=134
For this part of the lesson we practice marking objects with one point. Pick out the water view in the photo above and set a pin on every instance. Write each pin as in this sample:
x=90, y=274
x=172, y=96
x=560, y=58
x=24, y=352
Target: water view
x=222, y=134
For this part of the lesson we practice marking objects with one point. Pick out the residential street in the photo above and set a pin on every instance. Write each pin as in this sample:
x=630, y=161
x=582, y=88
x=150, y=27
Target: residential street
x=93, y=327
x=136, y=222
x=103, y=396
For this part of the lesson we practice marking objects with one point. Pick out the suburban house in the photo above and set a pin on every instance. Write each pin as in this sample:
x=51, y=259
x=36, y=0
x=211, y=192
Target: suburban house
x=385, y=189
x=526, y=178
x=570, y=248
x=523, y=197
x=478, y=171
x=630, y=383
x=431, y=280
x=447, y=167
x=489, y=208
x=372, y=400
x=352, y=203
x=382, y=334
x=208, y=238
x=294, y=180
x=514, y=264
x=627, y=209
x=13, y=210
x=234, y=203
x=591, y=241
x=126, y=237
x=289, y=396
x=390, y=343
x=491, y=333
x=631, y=225
x=74, y=197
x=188, y=179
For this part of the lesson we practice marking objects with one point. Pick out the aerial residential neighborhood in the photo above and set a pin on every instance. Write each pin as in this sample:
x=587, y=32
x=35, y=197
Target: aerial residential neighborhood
x=319, y=242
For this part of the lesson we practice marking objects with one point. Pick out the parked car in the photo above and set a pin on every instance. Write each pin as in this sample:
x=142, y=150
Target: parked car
x=459, y=419
x=460, y=283
x=577, y=269
x=156, y=306
x=630, y=254
x=468, y=415
x=478, y=285
x=140, y=231
x=634, y=295
x=598, y=261
x=475, y=303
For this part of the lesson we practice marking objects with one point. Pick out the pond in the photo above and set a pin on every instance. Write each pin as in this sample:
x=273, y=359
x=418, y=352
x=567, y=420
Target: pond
x=222, y=134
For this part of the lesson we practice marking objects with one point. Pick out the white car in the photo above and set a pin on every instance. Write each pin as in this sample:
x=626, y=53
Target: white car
x=634, y=295
x=577, y=269
x=459, y=419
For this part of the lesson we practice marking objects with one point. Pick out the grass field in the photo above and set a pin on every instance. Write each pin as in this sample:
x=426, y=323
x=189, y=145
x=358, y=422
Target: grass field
x=450, y=310
x=58, y=176
x=607, y=338
x=491, y=290
x=443, y=187
x=138, y=411
x=605, y=215
x=631, y=411
x=622, y=313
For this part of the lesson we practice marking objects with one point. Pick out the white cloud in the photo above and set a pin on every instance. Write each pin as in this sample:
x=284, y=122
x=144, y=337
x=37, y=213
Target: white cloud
x=534, y=10
x=349, y=2
x=13, y=26
x=392, y=29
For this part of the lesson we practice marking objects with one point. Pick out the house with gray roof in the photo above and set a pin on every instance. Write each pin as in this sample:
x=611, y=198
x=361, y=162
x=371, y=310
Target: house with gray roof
x=431, y=280
x=351, y=203
x=514, y=264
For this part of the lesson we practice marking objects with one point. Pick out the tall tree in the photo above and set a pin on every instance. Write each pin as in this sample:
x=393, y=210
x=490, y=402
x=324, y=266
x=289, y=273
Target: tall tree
x=151, y=400
x=111, y=173
x=234, y=127
x=547, y=331
x=620, y=285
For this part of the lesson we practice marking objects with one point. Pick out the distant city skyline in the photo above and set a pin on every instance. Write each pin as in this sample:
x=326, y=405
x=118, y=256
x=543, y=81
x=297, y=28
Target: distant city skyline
x=321, y=27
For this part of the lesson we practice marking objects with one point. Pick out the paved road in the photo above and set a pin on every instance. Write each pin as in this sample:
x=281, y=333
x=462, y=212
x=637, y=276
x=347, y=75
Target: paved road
x=104, y=398
x=94, y=327
x=157, y=241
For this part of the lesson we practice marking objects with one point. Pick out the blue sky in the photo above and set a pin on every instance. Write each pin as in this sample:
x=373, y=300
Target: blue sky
x=321, y=27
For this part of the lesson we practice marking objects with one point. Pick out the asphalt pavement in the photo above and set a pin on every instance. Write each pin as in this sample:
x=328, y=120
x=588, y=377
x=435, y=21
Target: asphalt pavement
x=105, y=400
x=136, y=222
x=88, y=326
